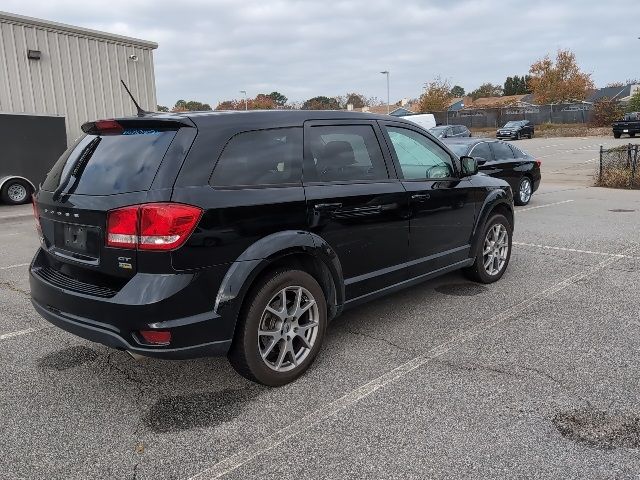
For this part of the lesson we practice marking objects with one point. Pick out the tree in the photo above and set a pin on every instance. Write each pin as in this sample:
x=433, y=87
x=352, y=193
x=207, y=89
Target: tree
x=190, y=106
x=321, y=103
x=517, y=85
x=260, y=102
x=356, y=99
x=558, y=82
x=634, y=102
x=279, y=99
x=436, y=96
x=487, y=90
x=457, y=91
x=162, y=108
x=605, y=111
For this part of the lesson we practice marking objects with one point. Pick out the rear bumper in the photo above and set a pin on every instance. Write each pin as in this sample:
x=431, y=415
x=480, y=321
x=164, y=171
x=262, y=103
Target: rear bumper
x=182, y=303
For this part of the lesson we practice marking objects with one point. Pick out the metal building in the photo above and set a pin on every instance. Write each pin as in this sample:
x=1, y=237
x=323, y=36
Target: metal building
x=55, y=69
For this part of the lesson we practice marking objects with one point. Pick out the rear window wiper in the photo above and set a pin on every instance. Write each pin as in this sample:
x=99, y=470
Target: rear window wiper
x=78, y=165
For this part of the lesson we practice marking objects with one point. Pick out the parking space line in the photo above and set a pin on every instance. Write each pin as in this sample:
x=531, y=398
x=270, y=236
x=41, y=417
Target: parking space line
x=543, y=206
x=575, y=250
x=14, y=266
x=298, y=427
x=19, y=332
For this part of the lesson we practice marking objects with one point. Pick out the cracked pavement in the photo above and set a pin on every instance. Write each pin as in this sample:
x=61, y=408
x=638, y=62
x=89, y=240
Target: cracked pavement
x=550, y=391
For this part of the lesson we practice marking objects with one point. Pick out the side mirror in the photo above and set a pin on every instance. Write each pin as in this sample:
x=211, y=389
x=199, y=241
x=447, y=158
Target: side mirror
x=469, y=166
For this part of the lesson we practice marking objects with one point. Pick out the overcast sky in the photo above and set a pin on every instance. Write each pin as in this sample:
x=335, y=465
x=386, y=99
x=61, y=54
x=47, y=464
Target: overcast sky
x=210, y=49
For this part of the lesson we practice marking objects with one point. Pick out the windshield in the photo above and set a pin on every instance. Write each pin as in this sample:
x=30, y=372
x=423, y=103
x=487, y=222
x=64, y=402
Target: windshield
x=512, y=124
x=108, y=164
x=459, y=148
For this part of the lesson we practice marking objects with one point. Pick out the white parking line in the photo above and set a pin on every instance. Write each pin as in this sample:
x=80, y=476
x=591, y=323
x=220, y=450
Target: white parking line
x=19, y=332
x=299, y=427
x=543, y=206
x=575, y=250
x=14, y=266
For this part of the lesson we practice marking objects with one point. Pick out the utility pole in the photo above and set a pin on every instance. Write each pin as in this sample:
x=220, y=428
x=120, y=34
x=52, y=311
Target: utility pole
x=245, y=98
x=386, y=72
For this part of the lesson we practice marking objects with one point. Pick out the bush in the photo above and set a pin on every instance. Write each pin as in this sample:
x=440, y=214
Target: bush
x=605, y=112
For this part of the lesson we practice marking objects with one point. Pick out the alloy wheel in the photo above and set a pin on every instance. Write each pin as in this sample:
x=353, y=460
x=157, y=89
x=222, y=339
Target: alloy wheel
x=525, y=190
x=288, y=328
x=496, y=249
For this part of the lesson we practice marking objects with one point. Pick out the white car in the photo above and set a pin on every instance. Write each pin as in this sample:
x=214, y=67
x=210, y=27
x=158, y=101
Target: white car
x=425, y=120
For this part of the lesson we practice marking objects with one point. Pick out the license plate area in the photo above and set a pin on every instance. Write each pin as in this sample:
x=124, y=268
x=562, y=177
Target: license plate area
x=82, y=241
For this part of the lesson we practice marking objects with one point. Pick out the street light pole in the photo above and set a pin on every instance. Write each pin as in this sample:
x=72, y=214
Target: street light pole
x=245, y=98
x=386, y=72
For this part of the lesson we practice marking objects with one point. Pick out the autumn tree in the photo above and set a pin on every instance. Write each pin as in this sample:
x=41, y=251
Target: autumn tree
x=487, y=90
x=559, y=81
x=457, y=91
x=606, y=111
x=262, y=101
x=356, y=99
x=436, y=96
x=321, y=103
x=190, y=106
x=162, y=108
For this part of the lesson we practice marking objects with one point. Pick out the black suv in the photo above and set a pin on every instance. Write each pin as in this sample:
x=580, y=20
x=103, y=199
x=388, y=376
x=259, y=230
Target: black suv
x=516, y=129
x=244, y=233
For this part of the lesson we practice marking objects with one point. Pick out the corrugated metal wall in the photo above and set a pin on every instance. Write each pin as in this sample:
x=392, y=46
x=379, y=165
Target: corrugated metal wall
x=77, y=76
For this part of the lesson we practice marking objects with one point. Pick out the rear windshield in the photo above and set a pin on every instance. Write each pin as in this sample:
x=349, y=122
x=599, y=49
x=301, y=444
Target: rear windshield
x=108, y=164
x=458, y=148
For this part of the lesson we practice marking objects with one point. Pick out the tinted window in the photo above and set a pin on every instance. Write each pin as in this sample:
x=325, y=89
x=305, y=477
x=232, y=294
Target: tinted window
x=517, y=152
x=482, y=150
x=418, y=156
x=458, y=130
x=459, y=149
x=344, y=153
x=108, y=164
x=501, y=151
x=263, y=157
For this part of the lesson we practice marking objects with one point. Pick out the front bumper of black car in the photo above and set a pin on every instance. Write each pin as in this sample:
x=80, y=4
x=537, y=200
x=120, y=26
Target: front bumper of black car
x=181, y=303
x=507, y=134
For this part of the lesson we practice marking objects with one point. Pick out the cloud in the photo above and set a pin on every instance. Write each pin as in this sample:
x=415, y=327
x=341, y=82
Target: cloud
x=211, y=49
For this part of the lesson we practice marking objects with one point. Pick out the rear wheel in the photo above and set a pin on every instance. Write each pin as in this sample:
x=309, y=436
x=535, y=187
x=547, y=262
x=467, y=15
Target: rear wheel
x=616, y=135
x=524, y=192
x=282, y=328
x=16, y=192
x=493, y=253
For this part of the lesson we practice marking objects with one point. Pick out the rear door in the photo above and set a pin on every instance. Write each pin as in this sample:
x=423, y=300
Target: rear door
x=116, y=164
x=356, y=203
x=505, y=165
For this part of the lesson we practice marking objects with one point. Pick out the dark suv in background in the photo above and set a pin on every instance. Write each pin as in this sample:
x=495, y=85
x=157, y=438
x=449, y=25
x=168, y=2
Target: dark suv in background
x=516, y=129
x=244, y=233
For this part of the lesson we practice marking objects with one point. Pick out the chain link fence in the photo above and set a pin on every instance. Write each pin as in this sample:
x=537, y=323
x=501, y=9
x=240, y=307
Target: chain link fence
x=619, y=167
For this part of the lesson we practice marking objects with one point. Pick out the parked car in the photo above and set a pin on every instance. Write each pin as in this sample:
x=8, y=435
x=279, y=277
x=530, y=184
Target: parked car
x=502, y=160
x=31, y=144
x=516, y=129
x=241, y=235
x=629, y=125
x=425, y=120
x=450, y=131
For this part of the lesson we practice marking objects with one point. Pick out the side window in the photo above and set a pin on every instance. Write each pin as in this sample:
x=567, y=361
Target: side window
x=344, y=153
x=517, y=152
x=501, y=151
x=483, y=151
x=262, y=157
x=458, y=130
x=419, y=157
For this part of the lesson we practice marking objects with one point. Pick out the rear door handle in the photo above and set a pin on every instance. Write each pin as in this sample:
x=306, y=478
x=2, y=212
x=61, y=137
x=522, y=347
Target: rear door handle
x=327, y=207
x=420, y=197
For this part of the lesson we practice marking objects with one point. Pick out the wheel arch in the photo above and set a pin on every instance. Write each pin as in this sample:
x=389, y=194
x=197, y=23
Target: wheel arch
x=287, y=249
x=6, y=178
x=496, y=202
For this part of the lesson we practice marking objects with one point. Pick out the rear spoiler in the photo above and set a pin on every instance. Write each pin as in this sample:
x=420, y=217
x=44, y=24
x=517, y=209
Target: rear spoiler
x=118, y=126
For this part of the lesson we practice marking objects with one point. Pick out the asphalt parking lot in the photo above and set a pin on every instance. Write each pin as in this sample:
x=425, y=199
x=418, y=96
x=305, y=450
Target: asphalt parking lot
x=535, y=376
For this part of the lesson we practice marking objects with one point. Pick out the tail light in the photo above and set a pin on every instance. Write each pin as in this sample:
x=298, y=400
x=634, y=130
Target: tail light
x=539, y=163
x=151, y=226
x=36, y=216
x=156, y=337
x=103, y=127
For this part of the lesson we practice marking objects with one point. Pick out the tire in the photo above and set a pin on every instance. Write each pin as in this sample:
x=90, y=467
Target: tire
x=16, y=192
x=248, y=347
x=524, y=192
x=477, y=271
x=518, y=136
x=632, y=135
x=531, y=135
x=616, y=135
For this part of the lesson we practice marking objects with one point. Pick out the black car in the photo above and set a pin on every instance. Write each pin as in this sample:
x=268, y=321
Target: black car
x=450, y=131
x=629, y=125
x=501, y=160
x=244, y=233
x=516, y=129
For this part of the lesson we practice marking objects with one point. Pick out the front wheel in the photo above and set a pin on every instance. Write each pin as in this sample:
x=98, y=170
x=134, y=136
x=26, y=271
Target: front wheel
x=281, y=330
x=16, y=192
x=524, y=192
x=493, y=253
x=616, y=135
